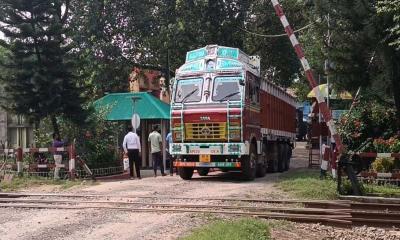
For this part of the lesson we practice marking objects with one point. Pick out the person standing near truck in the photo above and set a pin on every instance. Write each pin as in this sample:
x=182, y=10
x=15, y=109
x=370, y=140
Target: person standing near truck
x=131, y=145
x=156, y=146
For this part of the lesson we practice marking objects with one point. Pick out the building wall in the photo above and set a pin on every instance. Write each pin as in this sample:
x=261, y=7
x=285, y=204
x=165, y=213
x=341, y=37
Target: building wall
x=15, y=131
x=3, y=127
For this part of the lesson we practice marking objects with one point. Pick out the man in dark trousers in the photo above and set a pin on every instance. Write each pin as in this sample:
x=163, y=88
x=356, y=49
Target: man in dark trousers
x=132, y=147
x=156, y=146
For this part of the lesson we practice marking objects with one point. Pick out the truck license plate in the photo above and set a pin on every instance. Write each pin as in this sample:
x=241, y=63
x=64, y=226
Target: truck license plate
x=205, y=158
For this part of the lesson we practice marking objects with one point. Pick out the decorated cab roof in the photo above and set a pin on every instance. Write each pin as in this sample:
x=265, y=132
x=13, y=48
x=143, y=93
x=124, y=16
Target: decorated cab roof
x=214, y=58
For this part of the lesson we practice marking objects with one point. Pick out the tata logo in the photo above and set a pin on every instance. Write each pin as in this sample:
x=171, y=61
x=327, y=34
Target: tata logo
x=205, y=131
x=205, y=118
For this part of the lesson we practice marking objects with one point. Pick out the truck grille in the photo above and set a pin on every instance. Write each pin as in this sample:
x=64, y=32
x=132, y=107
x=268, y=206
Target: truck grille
x=205, y=131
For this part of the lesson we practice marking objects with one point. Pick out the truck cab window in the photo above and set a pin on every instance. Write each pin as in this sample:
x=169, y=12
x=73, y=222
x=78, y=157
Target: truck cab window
x=253, y=89
x=189, y=90
x=226, y=88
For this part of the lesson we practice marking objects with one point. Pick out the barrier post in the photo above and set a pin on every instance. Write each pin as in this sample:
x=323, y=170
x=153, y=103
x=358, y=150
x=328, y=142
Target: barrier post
x=20, y=166
x=72, y=157
x=333, y=163
x=325, y=151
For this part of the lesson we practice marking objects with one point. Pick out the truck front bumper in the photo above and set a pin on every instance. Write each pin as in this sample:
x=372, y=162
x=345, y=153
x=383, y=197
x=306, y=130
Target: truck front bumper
x=208, y=165
x=238, y=149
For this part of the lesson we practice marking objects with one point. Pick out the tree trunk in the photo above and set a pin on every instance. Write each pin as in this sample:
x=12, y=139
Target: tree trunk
x=391, y=65
x=55, y=125
x=395, y=80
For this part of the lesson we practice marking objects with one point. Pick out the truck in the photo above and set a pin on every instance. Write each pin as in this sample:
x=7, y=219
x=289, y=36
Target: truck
x=225, y=115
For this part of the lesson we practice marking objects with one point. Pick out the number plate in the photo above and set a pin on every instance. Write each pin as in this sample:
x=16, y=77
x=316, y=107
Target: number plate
x=205, y=158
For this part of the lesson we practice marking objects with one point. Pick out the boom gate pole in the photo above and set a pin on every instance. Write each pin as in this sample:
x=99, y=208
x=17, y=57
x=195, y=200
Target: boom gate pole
x=345, y=158
x=309, y=74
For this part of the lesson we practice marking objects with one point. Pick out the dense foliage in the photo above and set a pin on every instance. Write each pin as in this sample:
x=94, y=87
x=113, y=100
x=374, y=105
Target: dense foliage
x=40, y=80
x=361, y=45
x=371, y=123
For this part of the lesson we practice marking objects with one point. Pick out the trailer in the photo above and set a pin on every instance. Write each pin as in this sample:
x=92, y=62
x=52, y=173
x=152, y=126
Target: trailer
x=225, y=115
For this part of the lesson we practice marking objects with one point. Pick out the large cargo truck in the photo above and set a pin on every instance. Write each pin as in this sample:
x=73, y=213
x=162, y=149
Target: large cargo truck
x=224, y=115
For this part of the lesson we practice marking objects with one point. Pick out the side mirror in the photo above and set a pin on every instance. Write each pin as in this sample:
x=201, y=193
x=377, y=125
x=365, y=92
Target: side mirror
x=241, y=82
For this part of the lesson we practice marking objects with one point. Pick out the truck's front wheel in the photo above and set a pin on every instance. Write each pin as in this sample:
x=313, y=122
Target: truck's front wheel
x=249, y=164
x=203, y=171
x=185, y=173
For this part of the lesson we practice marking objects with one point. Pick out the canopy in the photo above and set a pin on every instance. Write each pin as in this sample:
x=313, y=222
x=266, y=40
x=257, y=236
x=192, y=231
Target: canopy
x=119, y=106
x=323, y=88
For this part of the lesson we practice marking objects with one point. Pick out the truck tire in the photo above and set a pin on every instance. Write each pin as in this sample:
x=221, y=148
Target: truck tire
x=288, y=156
x=249, y=164
x=281, y=157
x=261, y=170
x=272, y=157
x=185, y=173
x=203, y=171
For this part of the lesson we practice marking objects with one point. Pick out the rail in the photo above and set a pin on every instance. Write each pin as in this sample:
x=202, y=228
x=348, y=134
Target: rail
x=344, y=213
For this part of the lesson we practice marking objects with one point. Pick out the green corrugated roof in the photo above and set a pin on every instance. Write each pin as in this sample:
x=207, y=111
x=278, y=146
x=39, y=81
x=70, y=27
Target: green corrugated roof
x=119, y=106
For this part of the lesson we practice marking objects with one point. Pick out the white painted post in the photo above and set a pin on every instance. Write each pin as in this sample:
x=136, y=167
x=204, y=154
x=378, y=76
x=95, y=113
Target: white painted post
x=163, y=136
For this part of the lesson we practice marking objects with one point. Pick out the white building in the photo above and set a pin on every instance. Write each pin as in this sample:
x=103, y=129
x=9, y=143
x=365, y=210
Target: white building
x=15, y=131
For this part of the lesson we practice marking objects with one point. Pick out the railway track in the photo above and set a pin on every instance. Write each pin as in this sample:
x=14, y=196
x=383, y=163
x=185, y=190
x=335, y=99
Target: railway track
x=343, y=213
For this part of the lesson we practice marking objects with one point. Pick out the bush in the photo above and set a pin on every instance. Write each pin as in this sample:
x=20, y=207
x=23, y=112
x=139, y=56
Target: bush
x=95, y=141
x=383, y=165
x=370, y=119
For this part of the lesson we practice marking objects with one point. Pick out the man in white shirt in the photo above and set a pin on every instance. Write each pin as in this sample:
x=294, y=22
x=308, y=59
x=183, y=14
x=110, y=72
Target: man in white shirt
x=156, y=146
x=132, y=147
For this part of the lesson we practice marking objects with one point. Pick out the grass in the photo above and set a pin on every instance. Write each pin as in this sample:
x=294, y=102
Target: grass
x=28, y=182
x=382, y=190
x=305, y=184
x=241, y=229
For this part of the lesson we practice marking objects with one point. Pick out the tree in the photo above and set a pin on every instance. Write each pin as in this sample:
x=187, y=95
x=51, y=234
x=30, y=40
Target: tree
x=42, y=80
x=361, y=48
x=391, y=8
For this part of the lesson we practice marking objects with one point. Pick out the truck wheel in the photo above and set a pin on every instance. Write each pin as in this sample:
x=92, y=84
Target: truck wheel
x=203, y=171
x=273, y=157
x=185, y=173
x=249, y=164
x=261, y=170
x=281, y=157
x=290, y=156
x=288, y=152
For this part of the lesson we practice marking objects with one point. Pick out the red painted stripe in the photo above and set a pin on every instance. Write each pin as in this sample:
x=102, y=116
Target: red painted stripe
x=279, y=10
x=289, y=30
x=311, y=80
x=299, y=51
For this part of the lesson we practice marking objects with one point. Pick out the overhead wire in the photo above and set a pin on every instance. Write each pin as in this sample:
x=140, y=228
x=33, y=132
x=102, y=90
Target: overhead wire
x=276, y=35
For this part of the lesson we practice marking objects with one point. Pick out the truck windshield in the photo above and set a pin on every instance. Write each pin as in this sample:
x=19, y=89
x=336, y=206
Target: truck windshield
x=226, y=88
x=189, y=90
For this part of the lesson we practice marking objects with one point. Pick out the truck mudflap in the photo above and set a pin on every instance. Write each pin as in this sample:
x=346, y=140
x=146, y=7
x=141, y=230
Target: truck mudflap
x=209, y=148
x=210, y=165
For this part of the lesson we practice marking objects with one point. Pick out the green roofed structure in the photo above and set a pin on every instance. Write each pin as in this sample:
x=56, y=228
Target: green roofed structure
x=151, y=110
x=120, y=106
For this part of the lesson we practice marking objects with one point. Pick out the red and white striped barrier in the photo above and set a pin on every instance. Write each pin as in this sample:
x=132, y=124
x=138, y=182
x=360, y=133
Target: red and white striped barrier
x=309, y=74
x=19, y=152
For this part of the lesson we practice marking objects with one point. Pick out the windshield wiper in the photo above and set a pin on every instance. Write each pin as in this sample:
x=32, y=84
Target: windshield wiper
x=188, y=95
x=228, y=96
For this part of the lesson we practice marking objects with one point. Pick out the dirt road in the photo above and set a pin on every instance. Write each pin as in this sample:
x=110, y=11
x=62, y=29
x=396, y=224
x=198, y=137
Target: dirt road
x=115, y=224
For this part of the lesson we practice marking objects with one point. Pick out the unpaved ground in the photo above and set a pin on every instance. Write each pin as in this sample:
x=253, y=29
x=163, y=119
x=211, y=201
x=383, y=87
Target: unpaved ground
x=109, y=224
x=116, y=224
